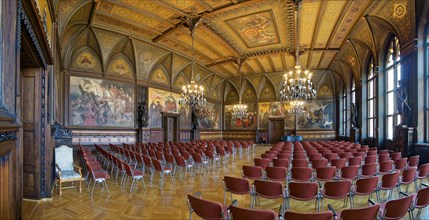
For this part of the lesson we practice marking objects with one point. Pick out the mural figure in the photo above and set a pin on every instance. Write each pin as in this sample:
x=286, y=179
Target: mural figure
x=233, y=121
x=95, y=102
x=402, y=103
x=165, y=101
x=170, y=104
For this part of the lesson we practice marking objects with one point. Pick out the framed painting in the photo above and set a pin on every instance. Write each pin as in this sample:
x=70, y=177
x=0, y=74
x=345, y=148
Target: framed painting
x=233, y=121
x=100, y=102
x=209, y=116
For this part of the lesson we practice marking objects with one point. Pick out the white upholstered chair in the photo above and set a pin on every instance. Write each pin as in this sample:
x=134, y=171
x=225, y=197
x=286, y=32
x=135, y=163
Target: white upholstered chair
x=66, y=170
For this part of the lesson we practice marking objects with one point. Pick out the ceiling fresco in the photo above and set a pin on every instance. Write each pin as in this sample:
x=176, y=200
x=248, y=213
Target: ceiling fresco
x=333, y=33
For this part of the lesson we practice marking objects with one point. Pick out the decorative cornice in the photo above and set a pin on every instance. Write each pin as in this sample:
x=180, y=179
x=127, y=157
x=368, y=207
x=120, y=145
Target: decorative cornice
x=61, y=132
x=27, y=23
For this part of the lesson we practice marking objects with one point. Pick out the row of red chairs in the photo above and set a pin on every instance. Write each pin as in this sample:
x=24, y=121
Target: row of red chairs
x=94, y=170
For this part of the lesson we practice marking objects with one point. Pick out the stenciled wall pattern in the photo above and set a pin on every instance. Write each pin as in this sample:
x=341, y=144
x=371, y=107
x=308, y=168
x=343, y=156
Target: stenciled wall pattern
x=100, y=102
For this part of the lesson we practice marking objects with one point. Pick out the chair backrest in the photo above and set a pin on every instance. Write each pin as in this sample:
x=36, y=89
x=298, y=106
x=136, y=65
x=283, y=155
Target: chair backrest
x=252, y=172
x=303, y=190
x=350, y=172
x=395, y=155
x=413, y=161
x=279, y=162
x=366, y=185
x=308, y=216
x=300, y=163
x=398, y=208
x=370, y=212
x=337, y=189
x=268, y=189
x=355, y=161
x=422, y=198
x=64, y=157
x=237, y=185
x=318, y=163
x=386, y=166
x=262, y=162
x=370, y=159
x=206, y=209
x=250, y=214
x=325, y=173
x=338, y=163
x=369, y=169
x=400, y=163
x=409, y=174
x=276, y=173
x=423, y=170
x=389, y=180
x=302, y=173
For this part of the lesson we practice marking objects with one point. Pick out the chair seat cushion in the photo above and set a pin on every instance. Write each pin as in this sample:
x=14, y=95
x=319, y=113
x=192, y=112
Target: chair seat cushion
x=68, y=174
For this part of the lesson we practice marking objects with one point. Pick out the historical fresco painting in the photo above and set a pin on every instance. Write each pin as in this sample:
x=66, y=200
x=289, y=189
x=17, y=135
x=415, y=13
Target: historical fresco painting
x=233, y=121
x=99, y=102
x=209, y=116
x=165, y=101
x=317, y=114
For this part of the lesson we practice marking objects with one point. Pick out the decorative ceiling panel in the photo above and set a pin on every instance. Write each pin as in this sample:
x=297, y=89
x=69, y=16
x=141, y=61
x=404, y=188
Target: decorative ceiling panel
x=265, y=64
x=315, y=59
x=255, y=65
x=352, y=15
x=308, y=22
x=330, y=16
x=327, y=58
x=277, y=62
x=254, y=27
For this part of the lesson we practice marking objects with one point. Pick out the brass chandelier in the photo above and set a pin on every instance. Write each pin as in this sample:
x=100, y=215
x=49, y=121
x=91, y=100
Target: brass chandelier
x=240, y=109
x=297, y=85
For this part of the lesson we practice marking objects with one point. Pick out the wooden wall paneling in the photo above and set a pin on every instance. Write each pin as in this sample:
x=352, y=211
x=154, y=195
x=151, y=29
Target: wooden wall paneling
x=8, y=197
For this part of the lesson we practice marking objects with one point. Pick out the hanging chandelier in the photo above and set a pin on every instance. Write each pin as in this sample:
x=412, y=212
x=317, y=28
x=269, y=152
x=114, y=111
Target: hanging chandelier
x=297, y=85
x=192, y=94
x=240, y=109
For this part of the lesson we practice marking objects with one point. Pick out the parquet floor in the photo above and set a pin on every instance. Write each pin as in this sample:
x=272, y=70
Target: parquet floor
x=168, y=202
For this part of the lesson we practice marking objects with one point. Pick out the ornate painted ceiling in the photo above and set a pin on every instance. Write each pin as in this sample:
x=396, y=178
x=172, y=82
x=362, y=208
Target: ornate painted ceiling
x=337, y=36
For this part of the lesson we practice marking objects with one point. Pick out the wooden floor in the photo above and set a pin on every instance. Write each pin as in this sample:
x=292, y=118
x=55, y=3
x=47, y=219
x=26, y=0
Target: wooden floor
x=156, y=203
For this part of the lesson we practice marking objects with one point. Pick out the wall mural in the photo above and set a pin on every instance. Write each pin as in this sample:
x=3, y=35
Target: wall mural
x=165, y=101
x=209, y=116
x=233, y=121
x=318, y=114
x=99, y=102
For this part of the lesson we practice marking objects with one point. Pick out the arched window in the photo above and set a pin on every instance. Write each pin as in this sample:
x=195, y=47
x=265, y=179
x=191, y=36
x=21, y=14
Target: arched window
x=344, y=103
x=371, y=98
x=393, y=76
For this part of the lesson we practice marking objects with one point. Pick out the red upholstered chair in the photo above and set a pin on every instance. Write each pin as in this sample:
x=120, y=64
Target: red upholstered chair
x=350, y=172
x=252, y=172
x=338, y=163
x=388, y=182
x=236, y=185
x=135, y=174
x=369, y=170
x=303, y=191
x=269, y=156
x=308, y=216
x=276, y=174
x=237, y=213
x=301, y=174
x=300, y=163
x=385, y=167
x=408, y=177
x=370, y=159
x=318, y=163
x=268, y=190
x=159, y=167
x=400, y=164
x=324, y=174
x=183, y=164
x=413, y=161
x=364, y=186
x=99, y=176
x=337, y=190
x=299, y=156
x=395, y=155
x=422, y=173
x=206, y=209
x=370, y=213
x=383, y=157
x=279, y=162
x=421, y=200
x=262, y=162
x=283, y=156
x=355, y=161
x=397, y=208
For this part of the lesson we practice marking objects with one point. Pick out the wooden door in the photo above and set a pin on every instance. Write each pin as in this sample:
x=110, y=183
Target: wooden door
x=31, y=129
x=275, y=130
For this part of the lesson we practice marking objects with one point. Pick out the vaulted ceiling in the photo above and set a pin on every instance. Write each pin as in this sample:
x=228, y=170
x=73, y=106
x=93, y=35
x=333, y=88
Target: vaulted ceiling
x=337, y=36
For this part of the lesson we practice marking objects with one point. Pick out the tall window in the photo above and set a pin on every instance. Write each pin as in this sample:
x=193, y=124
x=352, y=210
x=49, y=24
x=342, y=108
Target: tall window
x=371, y=99
x=344, y=100
x=426, y=45
x=393, y=76
x=353, y=92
